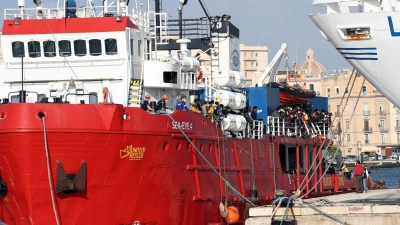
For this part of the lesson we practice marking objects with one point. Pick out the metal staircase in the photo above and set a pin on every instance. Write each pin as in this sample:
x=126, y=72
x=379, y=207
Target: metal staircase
x=135, y=92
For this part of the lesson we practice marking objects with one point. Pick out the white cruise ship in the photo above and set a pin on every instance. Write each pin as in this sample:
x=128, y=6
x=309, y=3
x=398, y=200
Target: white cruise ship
x=367, y=34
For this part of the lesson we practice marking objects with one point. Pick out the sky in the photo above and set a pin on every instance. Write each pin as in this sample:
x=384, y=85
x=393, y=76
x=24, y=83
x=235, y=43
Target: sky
x=261, y=22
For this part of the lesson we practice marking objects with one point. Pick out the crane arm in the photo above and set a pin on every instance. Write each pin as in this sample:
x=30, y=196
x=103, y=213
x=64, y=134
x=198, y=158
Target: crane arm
x=273, y=66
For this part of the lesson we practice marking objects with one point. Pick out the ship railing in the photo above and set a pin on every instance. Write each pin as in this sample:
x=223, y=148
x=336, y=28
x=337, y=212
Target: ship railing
x=188, y=80
x=276, y=126
x=254, y=130
x=346, y=6
x=159, y=31
x=139, y=17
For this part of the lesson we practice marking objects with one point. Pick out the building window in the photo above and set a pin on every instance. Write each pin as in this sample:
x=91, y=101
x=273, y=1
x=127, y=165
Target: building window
x=111, y=46
x=95, y=47
x=312, y=87
x=366, y=138
x=381, y=106
x=64, y=48
x=346, y=90
x=34, y=49
x=346, y=108
x=397, y=123
x=18, y=49
x=383, y=138
x=364, y=88
x=132, y=47
x=347, y=124
x=337, y=90
x=80, y=47
x=382, y=124
x=256, y=63
x=256, y=54
x=348, y=137
x=328, y=92
x=49, y=48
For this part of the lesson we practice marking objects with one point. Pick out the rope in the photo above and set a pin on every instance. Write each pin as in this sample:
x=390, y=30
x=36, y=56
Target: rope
x=211, y=166
x=325, y=214
x=313, y=161
x=49, y=173
x=286, y=210
x=253, y=177
x=326, y=169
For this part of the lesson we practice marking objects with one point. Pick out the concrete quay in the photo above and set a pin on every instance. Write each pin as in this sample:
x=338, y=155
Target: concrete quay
x=375, y=207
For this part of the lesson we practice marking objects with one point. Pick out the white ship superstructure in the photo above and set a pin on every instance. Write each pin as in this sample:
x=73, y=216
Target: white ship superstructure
x=367, y=34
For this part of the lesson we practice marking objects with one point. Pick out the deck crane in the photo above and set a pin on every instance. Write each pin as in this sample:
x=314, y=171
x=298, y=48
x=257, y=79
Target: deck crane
x=273, y=66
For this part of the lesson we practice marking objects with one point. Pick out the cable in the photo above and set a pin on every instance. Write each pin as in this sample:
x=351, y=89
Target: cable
x=354, y=109
x=209, y=164
x=49, y=173
x=313, y=161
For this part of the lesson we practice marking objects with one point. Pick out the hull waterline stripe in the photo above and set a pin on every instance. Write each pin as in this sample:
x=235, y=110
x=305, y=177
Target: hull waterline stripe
x=354, y=49
x=356, y=58
x=366, y=53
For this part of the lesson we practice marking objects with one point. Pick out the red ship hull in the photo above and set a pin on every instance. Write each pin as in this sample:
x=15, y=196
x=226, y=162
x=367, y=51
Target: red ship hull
x=138, y=169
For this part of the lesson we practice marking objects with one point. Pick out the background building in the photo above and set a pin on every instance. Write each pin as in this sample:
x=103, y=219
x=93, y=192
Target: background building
x=370, y=123
x=253, y=62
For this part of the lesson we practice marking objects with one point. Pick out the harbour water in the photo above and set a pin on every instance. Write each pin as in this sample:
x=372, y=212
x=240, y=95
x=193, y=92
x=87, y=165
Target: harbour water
x=390, y=175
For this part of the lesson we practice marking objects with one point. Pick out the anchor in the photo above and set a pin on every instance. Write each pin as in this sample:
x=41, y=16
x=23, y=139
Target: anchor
x=70, y=183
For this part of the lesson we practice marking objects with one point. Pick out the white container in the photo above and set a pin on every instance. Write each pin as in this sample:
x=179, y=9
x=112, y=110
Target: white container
x=239, y=123
x=224, y=78
x=189, y=64
x=229, y=122
x=240, y=79
x=226, y=98
x=240, y=101
x=234, y=123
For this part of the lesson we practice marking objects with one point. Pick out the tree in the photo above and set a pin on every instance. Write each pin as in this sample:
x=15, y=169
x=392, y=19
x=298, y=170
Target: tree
x=332, y=151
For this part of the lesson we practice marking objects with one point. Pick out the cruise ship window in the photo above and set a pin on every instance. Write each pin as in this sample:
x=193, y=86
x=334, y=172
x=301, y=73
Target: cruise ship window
x=64, y=48
x=80, y=47
x=95, y=47
x=49, y=48
x=111, y=46
x=34, y=49
x=18, y=49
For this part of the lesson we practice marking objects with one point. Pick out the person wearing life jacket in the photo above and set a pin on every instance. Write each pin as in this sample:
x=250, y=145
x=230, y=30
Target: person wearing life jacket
x=162, y=104
x=145, y=103
x=194, y=106
x=359, y=174
x=181, y=105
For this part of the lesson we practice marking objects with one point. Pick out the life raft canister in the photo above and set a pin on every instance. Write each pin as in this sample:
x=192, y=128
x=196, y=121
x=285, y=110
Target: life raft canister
x=233, y=215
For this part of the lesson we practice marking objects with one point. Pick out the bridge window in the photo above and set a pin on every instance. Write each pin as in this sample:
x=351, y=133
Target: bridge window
x=111, y=46
x=80, y=47
x=18, y=49
x=34, y=49
x=95, y=47
x=170, y=77
x=49, y=48
x=64, y=48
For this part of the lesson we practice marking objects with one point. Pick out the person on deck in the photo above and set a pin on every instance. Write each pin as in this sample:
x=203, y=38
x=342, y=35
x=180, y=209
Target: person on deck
x=162, y=104
x=358, y=174
x=194, y=106
x=145, y=103
x=181, y=105
x=254, y=113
